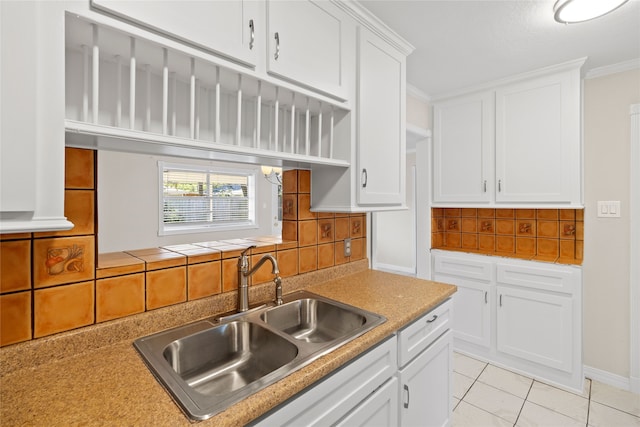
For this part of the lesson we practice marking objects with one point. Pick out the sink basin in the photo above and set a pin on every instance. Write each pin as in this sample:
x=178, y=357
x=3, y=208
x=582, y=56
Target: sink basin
x=228, y=357
x=211, y=364
x=314, y=320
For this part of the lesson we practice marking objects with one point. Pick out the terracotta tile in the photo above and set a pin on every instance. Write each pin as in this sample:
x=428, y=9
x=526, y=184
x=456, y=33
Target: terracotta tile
x=161, y=259
x=79, y=168
x=203, y=280
x=579, y=230
x=526, y=228
x=117, y=264
x=548, y=229
x=505, y=226
x=326, y=255
x=357, y=227
x=263, y=274
x=469, y=225
x=229, y=275
x=199, y=255
x=567, y=249
x=307, y=233
x=469, y=212
x=437, y=240
x=15, y=236
x=505, y=244
x=358, y=249
x=342, y=228
x=486, y=226
x=525, y=213
x=486, y=213
x=341, y=214
x=290, y=230
x=79, y=208
x=579, y=214
x=290, y=181
x=525, y=246
x=304, y=206
x=288, y=262
x=548, y=214
x=487, y=243
x=166, y=287
x=308, y=259
x=119, y=296
x=437, y=212
x=287, y=245
x=453, y=240
x=469, y=241
x=63, y=308
x=15, y=265
x=326, y=215
x=505, y=213
x=579, y=250
x=567, y=214
x=15, y=318
x=548, y=247
x=568, y=230
x=340, y=258
x=325, y=230
x=453, y=225
x=452, y=212
x=263, y=248
x=63, y=260
x=289, y=207
x=304, y=181
x=440, y=227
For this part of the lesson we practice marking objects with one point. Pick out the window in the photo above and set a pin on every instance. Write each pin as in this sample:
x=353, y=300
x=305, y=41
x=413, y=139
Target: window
x=196, y=199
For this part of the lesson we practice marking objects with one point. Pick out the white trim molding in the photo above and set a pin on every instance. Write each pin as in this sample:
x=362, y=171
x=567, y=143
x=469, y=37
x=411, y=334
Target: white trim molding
x=606, y=377
x=634, y=251
x=620, y=67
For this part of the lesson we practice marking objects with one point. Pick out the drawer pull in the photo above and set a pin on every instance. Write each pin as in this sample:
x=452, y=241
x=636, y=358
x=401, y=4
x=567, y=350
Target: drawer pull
x=485, y=297
x=253, y=34
x=277, y=54
x=406, y=404
x=433, y=319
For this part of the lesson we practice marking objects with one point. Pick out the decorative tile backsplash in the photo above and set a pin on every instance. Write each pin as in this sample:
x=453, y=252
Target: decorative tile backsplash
x=52, y=282
x=554, y=235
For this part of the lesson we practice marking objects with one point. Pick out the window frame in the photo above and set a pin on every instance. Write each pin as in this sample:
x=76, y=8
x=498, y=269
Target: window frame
x=167, y=229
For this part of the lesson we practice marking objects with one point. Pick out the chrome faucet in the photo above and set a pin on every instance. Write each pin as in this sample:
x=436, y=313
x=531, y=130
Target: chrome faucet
x=243, y=278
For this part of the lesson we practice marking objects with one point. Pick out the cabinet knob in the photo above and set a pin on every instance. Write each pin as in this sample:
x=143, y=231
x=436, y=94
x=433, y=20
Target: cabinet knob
x=364, y=178
x=253, y=34
x=277, y=54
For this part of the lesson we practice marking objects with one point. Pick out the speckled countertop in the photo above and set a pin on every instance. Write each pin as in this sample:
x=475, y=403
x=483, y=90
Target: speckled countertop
x=110, y=385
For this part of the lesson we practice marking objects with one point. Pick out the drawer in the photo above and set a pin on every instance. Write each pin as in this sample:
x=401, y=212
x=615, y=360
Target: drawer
x=548, y=277
x=463, y=266
x=423, y=332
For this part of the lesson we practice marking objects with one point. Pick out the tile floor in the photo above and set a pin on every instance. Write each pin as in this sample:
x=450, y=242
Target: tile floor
x=485, y=395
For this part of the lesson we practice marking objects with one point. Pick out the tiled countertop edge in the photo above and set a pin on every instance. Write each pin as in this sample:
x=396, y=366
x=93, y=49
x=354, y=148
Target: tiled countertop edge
x=67, y=344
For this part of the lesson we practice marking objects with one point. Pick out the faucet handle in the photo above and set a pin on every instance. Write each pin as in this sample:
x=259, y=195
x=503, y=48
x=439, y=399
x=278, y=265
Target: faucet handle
x=243, y=253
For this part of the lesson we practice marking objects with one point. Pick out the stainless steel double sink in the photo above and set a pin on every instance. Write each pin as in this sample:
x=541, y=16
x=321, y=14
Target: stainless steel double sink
x=211, y=364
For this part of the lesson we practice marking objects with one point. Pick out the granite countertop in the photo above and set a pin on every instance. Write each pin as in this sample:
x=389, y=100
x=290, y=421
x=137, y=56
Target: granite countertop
x=110, y=385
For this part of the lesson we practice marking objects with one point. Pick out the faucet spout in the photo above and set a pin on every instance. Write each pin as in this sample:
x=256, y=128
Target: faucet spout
x=244, y=272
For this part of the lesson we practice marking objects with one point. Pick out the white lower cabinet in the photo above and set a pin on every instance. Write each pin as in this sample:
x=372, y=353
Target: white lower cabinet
x=522, y=315
x=406, y=380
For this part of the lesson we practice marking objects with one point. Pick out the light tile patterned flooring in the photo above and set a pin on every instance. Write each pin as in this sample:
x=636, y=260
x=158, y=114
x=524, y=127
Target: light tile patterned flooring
x=485, y=395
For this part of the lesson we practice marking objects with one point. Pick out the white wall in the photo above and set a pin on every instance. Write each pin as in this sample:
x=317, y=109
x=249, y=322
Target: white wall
x=128, y=193
x=606, y=253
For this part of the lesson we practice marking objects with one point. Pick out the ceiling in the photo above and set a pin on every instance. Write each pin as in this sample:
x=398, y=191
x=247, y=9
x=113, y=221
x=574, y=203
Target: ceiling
x=465, y=43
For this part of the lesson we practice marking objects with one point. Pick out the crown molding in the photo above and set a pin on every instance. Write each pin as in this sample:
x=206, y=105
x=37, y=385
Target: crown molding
x=417, y=93
x=620, y=67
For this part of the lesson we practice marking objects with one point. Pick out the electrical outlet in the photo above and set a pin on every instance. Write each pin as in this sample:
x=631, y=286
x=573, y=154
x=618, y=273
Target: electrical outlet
x=347, y=247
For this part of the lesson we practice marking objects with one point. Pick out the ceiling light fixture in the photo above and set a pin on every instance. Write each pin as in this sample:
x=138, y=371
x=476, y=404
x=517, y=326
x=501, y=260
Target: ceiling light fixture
x=271, y=173
x=572, y=11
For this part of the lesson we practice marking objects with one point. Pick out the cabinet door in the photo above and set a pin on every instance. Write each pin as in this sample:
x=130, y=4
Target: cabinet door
x=535, y=326
x=223, y=26
x=305, y=44
x=538, y=140
x=381, y=134
x=426, y=386
x=379, y=409
x=462, y=149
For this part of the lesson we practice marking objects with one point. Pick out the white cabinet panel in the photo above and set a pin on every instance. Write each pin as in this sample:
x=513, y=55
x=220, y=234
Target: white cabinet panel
x=305, y=44
x=536, y=327
x=462, y=149
x=222, y=25
x=416, y=337
x=538, y=140
x=426, y=386
x=472, y=304
x=378, y=410
x=381, y=137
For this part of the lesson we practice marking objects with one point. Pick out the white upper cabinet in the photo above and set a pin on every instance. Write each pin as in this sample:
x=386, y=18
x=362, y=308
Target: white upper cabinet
x=381, y=114
x=227, y=27
x=517, y=143
x=463, y=161
x=305, y=44
x=538, y=140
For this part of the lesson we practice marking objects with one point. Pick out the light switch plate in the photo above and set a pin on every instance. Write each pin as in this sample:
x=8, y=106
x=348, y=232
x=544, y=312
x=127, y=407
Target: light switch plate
x=608, y=209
